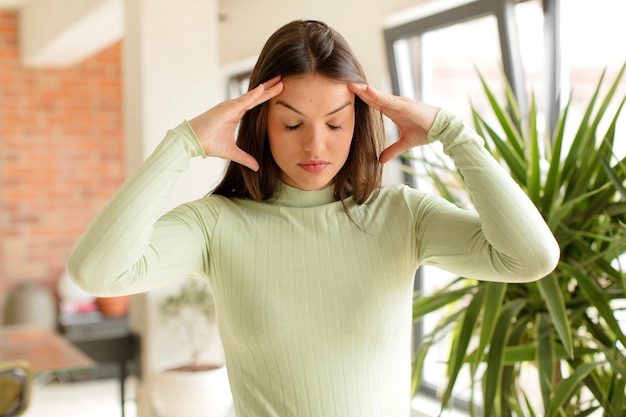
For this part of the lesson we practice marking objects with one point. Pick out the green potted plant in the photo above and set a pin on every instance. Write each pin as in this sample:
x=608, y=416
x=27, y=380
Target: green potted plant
x=566, y=327
x=194, y=388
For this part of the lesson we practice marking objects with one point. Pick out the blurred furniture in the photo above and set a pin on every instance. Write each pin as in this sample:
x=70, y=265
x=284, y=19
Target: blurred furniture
x=15, y=386
x=106, y=340
x=45, y=349
x=29, y=350
x=30, y=303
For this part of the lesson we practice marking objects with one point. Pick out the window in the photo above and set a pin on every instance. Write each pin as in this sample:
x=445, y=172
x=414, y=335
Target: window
x=544, y=47
x=591, y=42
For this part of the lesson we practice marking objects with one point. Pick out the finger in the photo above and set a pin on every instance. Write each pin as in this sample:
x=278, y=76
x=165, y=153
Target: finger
x=393, y=150
x=364, y=92
x=384, y=103
x=263, y=92
x=272, y=81
x=245, y=159
x=271, y=90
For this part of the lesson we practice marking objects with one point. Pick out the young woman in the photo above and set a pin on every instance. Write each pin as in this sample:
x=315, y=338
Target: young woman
x=310, y=259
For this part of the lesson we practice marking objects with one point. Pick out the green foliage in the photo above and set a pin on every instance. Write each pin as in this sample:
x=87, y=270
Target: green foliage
x=192, y=307
x=565, y=325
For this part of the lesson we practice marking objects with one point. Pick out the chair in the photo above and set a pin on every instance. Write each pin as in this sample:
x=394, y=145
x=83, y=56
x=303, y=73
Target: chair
x=15, y=384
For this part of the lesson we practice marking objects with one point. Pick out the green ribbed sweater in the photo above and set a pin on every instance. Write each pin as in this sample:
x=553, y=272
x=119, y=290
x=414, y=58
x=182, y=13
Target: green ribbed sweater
x=314, y=312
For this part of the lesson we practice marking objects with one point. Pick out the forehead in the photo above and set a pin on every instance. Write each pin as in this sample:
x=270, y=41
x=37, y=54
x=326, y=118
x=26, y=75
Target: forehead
x=313, y=93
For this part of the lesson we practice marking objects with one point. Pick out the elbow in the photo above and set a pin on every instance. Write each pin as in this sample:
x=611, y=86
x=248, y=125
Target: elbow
x=96, y=278
x=526, y=266
x=542, y=262
x=548, y=259
x=81, y=276
x=87, y=278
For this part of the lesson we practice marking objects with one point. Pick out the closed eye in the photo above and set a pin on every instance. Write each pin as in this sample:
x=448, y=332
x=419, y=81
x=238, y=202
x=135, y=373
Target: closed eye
x=293, y=127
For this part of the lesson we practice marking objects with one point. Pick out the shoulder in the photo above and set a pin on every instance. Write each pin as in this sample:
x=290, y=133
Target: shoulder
x=401, y=193
x=205, y=210
x=398, y=200
x=397, y=197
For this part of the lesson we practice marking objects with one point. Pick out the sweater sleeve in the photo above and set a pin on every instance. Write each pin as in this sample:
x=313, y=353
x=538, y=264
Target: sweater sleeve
x=127, y=249
x=507, y=240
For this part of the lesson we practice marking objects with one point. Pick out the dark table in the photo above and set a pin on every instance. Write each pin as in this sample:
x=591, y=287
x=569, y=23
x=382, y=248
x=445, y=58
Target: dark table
x=106, y=340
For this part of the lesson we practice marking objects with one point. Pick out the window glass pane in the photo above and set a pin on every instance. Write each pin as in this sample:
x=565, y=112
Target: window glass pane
x=529, y=20
x=593, y=39
x=453, y=57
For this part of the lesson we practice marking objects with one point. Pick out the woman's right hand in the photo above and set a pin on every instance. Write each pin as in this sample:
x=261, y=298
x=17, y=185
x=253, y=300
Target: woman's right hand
x=216, y=127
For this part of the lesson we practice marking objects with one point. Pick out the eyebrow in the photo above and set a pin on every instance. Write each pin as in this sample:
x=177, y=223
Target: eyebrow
x=290, y=107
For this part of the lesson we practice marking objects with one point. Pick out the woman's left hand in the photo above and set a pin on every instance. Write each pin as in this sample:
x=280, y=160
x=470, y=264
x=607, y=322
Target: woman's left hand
x=412, y=117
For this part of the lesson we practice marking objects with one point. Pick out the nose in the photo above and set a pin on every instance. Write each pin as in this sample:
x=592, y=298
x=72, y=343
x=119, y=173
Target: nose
x=314, y=141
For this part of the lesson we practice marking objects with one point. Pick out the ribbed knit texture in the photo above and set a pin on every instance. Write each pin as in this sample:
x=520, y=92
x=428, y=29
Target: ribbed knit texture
x=314, y=309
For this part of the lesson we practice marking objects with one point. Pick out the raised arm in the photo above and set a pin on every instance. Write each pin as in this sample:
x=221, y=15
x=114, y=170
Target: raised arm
x=127, y=248
x=508, y=240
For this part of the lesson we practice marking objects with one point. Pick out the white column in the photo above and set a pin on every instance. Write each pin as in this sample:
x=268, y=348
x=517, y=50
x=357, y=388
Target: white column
x=171, y=73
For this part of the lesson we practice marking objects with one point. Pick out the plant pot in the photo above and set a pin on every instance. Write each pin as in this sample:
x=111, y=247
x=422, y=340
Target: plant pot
x=179, y=393
x=113, y=306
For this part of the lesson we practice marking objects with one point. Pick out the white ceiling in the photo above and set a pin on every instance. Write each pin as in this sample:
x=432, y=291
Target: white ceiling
x=69, y=37
x=12, y=4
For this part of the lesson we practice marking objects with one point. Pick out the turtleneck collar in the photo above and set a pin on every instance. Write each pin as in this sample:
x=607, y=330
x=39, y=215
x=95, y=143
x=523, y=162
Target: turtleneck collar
x=293, y=197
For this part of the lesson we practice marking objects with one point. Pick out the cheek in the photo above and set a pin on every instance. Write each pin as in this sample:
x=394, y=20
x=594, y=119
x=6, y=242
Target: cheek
x=279, y=145
x=345, y=141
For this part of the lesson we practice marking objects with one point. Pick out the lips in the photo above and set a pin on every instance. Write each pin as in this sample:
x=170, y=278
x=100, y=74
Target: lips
x=314, y=166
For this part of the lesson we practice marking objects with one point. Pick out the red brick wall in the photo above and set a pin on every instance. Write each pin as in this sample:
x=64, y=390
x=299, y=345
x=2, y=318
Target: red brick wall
x=61, y=156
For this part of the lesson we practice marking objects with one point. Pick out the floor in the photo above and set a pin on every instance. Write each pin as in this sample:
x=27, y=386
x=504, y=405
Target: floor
x=96, y=398
x=101, y=398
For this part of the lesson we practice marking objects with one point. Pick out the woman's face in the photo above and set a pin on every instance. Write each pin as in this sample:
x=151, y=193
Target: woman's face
x=310, y=126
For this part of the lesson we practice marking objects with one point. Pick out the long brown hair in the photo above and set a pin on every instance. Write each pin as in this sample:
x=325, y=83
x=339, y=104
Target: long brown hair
x=307, y=47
